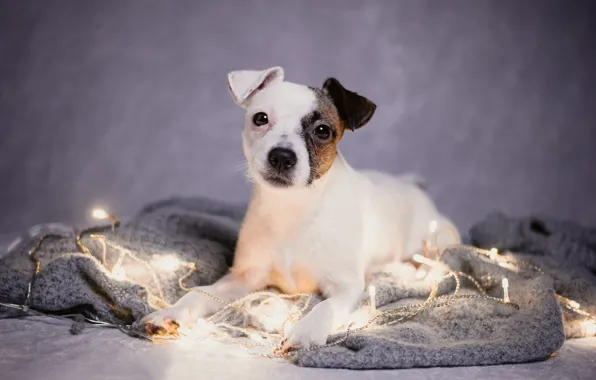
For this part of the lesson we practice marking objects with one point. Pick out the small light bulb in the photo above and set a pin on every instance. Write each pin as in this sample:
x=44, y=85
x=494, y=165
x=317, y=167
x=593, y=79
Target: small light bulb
x=493, y=253
x=508, y=266
x=99, y=213
x=119, y=272
x=589, y=327
x=433, y=226
x=168, y=263
x=574, y=304
x=505, y=284
x=372, y=294
x=420, y=274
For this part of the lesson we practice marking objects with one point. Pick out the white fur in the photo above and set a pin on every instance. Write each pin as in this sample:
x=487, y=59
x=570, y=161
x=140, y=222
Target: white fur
x=285, y=103
x=326, y=237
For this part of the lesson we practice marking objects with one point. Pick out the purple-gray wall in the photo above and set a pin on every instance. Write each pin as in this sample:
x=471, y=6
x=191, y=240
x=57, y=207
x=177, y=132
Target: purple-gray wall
x=123, y=102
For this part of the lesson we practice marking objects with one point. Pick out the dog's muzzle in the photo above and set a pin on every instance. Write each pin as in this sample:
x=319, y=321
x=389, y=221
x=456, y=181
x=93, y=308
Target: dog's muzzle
x=282, y=162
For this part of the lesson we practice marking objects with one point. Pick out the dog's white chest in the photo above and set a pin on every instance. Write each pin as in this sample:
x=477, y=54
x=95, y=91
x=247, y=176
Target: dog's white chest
x=290, y=273
x=288, y=266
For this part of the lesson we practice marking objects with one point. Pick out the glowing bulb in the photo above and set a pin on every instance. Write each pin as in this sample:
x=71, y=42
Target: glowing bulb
x=420, y=274
x=508, y=266
x=493, y=253
x=433, y=226
x=99, y=213
x=505, y=284
x=574, y=304
x=168, y=263
x=119, y=272
x=589, y=327
x=372, y=293
x=424, y=260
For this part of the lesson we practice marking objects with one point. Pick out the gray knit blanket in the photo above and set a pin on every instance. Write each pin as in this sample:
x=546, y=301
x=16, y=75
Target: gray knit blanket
x=468, y=331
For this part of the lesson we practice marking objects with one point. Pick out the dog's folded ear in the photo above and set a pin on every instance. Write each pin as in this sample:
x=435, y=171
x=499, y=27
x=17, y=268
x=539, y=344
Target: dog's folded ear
x=355, y=110
x=245, y=83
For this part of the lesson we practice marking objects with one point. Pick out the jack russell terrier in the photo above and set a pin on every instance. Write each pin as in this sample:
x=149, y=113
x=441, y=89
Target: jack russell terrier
x=314, y=224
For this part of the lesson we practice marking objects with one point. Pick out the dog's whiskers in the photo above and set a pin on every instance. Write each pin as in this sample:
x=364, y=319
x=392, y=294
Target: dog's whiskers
x=241, y=166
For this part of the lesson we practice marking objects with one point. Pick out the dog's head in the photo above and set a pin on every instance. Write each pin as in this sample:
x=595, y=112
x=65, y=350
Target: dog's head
x=291, y=131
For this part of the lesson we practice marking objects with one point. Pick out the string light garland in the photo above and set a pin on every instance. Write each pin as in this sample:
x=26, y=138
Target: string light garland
x=32, y=254
x=394, y=315
x=273, y=341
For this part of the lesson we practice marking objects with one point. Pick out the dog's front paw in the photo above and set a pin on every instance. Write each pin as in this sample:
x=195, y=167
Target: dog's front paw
x=166, y=322
x=308, y=332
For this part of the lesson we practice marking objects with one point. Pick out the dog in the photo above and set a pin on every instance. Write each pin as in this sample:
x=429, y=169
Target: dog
x=313, y=224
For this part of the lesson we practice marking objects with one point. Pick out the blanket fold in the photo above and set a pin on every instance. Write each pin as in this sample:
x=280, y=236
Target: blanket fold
x=197, y=231
x=565, y=250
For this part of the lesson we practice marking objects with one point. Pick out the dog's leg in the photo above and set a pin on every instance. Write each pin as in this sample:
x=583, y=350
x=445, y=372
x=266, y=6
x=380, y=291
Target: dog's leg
x=197, y=303
x=248, y=274
x=318, y=324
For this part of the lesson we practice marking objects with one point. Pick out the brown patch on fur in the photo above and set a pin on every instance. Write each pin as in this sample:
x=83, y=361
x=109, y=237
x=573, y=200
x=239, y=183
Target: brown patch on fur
x=169, y=329
x=301, y=281
x=338, y=108
x=322, y=153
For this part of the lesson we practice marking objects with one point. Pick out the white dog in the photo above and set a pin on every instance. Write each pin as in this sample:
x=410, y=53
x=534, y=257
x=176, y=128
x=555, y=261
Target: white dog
x=313, y=223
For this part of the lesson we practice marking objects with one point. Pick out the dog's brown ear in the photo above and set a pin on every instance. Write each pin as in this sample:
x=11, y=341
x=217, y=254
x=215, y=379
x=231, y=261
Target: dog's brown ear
x=244, y=83
x=355, y=110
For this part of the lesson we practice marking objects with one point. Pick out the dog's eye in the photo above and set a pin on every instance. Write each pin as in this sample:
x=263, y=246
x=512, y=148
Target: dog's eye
x=260, y=118
x=323, y=132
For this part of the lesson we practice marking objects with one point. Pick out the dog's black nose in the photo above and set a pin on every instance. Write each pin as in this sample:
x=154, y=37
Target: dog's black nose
x=282, y=159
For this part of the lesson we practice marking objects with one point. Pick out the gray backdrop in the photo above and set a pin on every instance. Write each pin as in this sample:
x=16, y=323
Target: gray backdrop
x=123, y=102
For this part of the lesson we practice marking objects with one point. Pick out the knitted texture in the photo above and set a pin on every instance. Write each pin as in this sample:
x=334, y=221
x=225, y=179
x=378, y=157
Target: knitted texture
x=566, y=242
x=564, y=249
x=198, y=231
x=465, y=332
